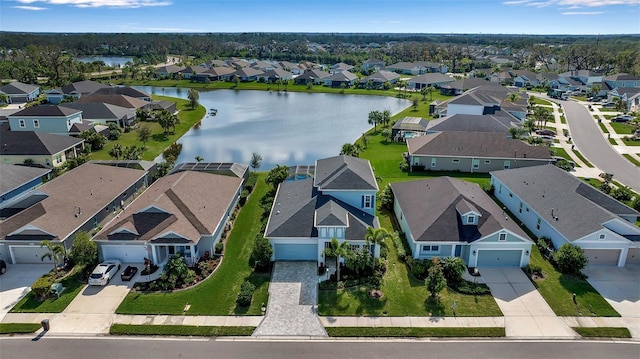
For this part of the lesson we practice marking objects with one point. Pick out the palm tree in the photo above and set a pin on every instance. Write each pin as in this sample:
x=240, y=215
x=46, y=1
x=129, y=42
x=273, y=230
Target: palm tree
x=430, y=92
x=116, y=151
x=349, y=149
x=55, y=252
x=541, y=115
x=423, y=92
x=529, y=124
x=375, y=117
x=375, y=236
x=337, y=249
x=595, y=89
x=199, y=159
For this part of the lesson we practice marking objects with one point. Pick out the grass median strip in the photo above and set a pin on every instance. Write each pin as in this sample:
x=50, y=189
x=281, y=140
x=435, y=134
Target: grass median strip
x=180, y=330
x=631, y=159
x=18, y=328
x=581, y=157
x=493, y=332
x=603, y=332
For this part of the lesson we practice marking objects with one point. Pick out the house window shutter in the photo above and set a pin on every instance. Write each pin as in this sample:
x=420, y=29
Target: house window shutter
x=362, y=202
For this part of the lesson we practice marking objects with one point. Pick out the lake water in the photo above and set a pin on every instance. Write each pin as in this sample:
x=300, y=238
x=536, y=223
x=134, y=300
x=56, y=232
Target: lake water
x=117, y=61
x=284, y=128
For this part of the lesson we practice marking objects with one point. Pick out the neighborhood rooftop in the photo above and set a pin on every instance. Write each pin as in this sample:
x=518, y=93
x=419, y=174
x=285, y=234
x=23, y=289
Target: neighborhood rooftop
x=344, y=172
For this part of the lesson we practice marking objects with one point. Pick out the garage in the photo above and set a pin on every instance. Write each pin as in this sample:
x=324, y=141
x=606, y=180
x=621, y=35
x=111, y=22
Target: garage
x=28, y=254
x=602, y=257
x=124, y=253
x=498, y=258
x=295, y=252
x=633, y=256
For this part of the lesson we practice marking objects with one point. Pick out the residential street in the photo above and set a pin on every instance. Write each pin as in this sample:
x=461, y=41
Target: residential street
x=595, y=147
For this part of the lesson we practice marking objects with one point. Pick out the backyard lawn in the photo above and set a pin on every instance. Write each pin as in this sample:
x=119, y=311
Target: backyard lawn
x=158, y=141
x=404, y=295
x=217, y=294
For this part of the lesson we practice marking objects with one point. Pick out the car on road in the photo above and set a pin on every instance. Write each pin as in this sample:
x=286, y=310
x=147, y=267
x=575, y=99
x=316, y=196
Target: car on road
x=3, y=267
x=545, y=132
x=103, y=273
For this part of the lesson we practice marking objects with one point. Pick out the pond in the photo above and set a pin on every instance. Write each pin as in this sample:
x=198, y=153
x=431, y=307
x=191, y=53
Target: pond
x=114, y=61
x=287, y=128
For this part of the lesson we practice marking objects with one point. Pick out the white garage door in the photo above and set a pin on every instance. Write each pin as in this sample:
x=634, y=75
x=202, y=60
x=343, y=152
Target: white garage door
x=633, y=256
x=602, y=257
x=28, y=254
x=498, y=258
x=295, y=252
x=124, y=253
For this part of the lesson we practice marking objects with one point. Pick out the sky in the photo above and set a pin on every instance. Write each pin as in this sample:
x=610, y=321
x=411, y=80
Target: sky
x=581, y=17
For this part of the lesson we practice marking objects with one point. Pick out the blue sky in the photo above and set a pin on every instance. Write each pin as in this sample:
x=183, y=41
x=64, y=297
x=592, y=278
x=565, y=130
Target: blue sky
x=396, y=16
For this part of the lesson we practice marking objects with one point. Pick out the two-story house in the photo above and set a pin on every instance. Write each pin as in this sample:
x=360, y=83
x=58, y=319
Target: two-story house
x=338, y=202
x=45, y=118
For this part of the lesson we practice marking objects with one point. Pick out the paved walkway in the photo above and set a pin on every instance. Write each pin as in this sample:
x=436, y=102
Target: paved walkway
x=526, y=313
x=292, y=302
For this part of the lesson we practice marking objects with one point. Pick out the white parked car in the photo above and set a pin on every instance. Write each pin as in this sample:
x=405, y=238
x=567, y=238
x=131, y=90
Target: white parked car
x=103, y=273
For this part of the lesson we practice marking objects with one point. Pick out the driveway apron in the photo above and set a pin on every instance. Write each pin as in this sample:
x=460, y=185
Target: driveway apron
x=292, y=309
x=526, y=313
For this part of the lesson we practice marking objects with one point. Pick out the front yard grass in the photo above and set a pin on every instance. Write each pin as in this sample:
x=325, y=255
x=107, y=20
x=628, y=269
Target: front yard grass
x=404, y=295
x=622, y=128
x=631, y=142
x=180, y=330
x=632, y=159
x=557, y=289
x=158, y=141
x=18, y=328
x=539, y=101
x=493, y=332
x=603, y=332
x=29, y=304
x=217, y=294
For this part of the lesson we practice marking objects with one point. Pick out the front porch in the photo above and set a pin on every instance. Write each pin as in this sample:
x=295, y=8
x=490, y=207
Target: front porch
x=161, y=252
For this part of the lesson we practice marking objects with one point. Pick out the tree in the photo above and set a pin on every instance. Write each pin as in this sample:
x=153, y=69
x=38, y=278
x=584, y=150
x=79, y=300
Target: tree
x=570, y=259
x=622, y=193
x=529, y=124
x=116, y=151
x=95, y=140
x=375, y=117
x=513, y=97
x=142, y=115
x=635, y=204
x=541, y=115
x=199, y=159
x=256, y=161
x=114, y=131
x=594, y=90
x=385, y=197
x=430, y=92
x=386, y=117
x=261, y=255
x=349, y=149
x=193, y=96
x=55, y=252
x=277, y=175
x=386, y=133
x=132, y=152
x=452, y=269
x=375, y=236
x=414, y=103
x=359, y=260
x=423, y=92
x=84, y=251
x=435, y=281
x=144, y=133
x=337, y=249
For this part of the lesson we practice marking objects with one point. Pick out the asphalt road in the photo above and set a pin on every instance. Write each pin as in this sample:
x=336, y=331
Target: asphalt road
x=109, y=348
x=596, y=148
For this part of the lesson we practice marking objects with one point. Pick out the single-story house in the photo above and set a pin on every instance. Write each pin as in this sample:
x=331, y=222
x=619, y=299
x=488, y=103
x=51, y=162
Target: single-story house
x=104, y=113
x=554, y=204
x=42, y=148
x=213, y=74
x=448, y=217
x=169, y=71
x=239, y=170
x=17, y=181
x=263, y=66
x=408, y=127
x=473, y=152
x=113, y=99
x=338, y=202
x=339, y=79
x=188, y=72
x=45, y=118
x=80, y=200
x=124, y=90
x=407, y=68
x=78, y=89
x=458, y=87
x=271, y=76
x=375, y=64
x=246, y=74
x=429, y=79
x=524, y=78
x=586, y=77
x=429, y=66
x=499, y=122
x=181, y=213
x=630, y=95
x=169, y=106
x=18, y=92
x=339, y=67
x=314, y=76
x=379, y=78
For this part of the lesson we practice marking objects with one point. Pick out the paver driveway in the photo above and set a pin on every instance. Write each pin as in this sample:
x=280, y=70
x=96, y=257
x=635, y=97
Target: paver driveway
x=292, y=302
x=526, y=313
x=16, y=283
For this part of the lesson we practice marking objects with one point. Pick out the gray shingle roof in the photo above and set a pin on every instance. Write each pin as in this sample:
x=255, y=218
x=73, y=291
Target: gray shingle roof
x=580, y=208
x=314, y=74
x=344, y=172
x=29, y=143
x=621, y=77
x=122, y=90
x=475, y=144
x=342, y=76
x=100, y=110
x=381, y=76
x=432, y=78
x=430, y=209
x=18, y=88
x=474, y=123
x=83, y=87
x=466, y=84
x=46, y=111
x=14, y=176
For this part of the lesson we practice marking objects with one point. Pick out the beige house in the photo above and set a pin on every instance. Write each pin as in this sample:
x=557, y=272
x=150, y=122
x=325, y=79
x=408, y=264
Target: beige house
x=42, y=148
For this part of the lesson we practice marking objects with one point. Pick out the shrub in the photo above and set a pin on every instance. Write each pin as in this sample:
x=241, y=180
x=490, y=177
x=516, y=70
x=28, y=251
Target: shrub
x=243, y=197
x=398, y=243
x=452, y=269
x=570, y=259
x=466, y=287
x=404, y=166
x=261, y=256
x=533, y=269
x=385, y=197
x=250, y=184
x=246, y=294
x=419, y=267
x=219, y=247
x=435, y=281
x=42, y=286
x=84, y=251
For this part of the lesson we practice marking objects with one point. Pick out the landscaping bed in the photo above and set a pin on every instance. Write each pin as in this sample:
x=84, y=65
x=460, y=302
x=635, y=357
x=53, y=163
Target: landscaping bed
x=492, y=332
x=180, y=330
x=72, y=284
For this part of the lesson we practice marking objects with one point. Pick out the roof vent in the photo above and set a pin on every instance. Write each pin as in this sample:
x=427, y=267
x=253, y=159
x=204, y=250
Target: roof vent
x=278, y=212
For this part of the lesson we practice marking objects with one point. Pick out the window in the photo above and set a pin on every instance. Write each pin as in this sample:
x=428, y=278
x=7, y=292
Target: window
x=433, y=249
x=22, y=124
x=367, y=201
x=58, y=159
x=455, y=160
x=36, y=124
x=355, y=247
x=502, y=237
x=433, y=162
x=323, y=232
x=339, y=232
x=487, y=162
x=538, y=224
x=602, y=236
x=507, y=165
x=471, y=219
x=500, y=188
x=327, y=245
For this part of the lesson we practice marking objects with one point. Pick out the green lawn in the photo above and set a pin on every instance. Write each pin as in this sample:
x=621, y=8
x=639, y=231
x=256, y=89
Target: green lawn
x=539, y=101
x=18, y=328
x=158, y=141
x=29, y=304
x=603, y=128
x=415, y=332
x=180, y=330
x=603, y=332
x=631, y=159
x=631, y=142
x=404, y=295
x=559, y=151
x=563, y=120
x=608, y=109
x=217, y=294
x=622, y=128
x=557, y=289
x=581, y=157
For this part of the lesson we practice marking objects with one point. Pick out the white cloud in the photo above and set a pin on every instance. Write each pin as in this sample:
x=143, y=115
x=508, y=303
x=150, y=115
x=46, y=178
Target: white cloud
x=102, y=3
x=30, y=8
x=571, y=3
x=583, y=13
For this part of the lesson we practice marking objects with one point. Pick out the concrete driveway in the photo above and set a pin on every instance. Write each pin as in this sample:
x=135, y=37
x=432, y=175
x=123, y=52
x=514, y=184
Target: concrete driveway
x=621, y=288
x=526, y=313
x=16, y=283
x=292, y=302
